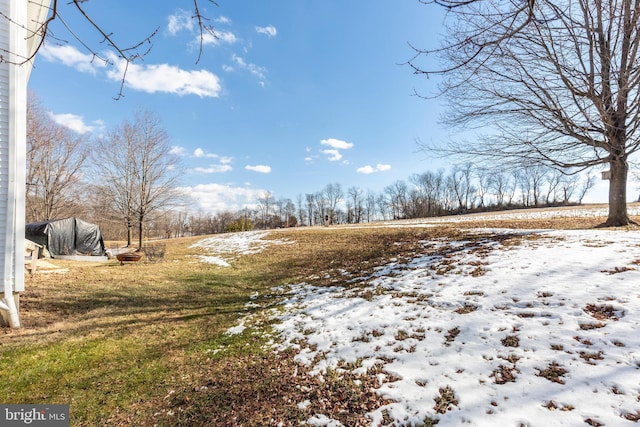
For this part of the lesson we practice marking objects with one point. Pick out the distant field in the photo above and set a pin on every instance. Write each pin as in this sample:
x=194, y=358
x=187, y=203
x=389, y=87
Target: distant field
x=186, y=340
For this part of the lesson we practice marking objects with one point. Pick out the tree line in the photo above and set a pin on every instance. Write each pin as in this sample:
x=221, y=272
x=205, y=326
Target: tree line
x=464, y=189
x=126, y=181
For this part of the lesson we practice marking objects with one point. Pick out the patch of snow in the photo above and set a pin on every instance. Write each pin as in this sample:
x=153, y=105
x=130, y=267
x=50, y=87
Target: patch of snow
x=492, y=321
x=236, y=329
x=216, y=260
x=494, y=326
x=522, y=214
x=320, y=420
x=304, y=405
x=225, y=248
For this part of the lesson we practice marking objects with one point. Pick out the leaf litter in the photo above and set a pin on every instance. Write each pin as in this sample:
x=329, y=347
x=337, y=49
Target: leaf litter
x=434, y=362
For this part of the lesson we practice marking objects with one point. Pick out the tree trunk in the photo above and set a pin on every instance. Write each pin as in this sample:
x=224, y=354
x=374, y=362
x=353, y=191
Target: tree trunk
x=140, y=228
x=129, y=235
x=618, y=194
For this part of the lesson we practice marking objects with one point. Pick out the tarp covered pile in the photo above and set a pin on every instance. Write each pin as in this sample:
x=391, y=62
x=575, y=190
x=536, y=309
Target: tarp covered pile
x=69, y=236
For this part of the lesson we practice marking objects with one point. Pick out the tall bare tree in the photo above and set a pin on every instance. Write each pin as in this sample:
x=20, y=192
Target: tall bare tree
x=300, y=209
x=311, y=203
x=398, y=198
x=355, y=196
x=370, y=205
x=266, y=202
x=430, y=186
x=137, y=171
x=461, y=184
x=113, y=160
x=334, y=195
x=556, y=81
x=55, y=156
x=156, y=169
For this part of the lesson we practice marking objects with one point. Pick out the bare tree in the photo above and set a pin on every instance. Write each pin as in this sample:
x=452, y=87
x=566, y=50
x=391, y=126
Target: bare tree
x=383, y=206
x=531, y=179
x=265, y=205
x=355, y=198
x=586, y=186
x=156, y=168
x=502, y=185
x=55, y=156
x=370, y=206
x=137, y=171
x=484, y=177
x=430, y=186
x=310, y=199
x=398, y=198
x=288, y=211
x=321, y=207
x=557, y=80
x=554, y=179
x=460, y=182
x=300, y=209
x=334, y=195
x=113, y=160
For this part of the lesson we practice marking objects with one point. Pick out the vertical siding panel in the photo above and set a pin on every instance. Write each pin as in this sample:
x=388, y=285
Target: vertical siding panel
x=4, y=139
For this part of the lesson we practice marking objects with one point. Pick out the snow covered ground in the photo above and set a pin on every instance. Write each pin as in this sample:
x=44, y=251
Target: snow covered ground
x=523, y=214
x=224, y=248
x=545, y=332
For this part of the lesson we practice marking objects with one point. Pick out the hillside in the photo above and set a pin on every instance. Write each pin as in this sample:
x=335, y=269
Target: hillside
x=486, y=320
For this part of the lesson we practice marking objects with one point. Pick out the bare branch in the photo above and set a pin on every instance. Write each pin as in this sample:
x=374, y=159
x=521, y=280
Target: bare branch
x=559, y=86
x=127, y=54
x=202, y=26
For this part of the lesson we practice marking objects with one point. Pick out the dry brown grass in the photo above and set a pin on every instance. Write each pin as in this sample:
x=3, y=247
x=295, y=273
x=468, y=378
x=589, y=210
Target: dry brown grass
x=144, y=343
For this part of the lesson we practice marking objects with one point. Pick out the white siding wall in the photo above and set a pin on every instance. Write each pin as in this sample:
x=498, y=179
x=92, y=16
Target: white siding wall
x=4, y=140
x=13, y=104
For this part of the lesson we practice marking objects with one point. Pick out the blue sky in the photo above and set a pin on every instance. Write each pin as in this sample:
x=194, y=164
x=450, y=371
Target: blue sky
x=292, y=96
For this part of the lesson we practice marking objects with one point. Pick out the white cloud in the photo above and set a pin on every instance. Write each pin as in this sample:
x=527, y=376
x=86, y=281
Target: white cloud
x=71, y=57
x=336, y=143
x=219, y=197
x=259, y=168
x=199, y=152
x=334, y=155
x=222, y=20
x=217, y=38
x=167, y=78
x=184, y=20
x=71, y=121
x=214, y=169
x=223, y=165
x=147, y=78
x=269, y=31
x=176, y=150
x=368, y=169
x=254, y=69
x=181, y=20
